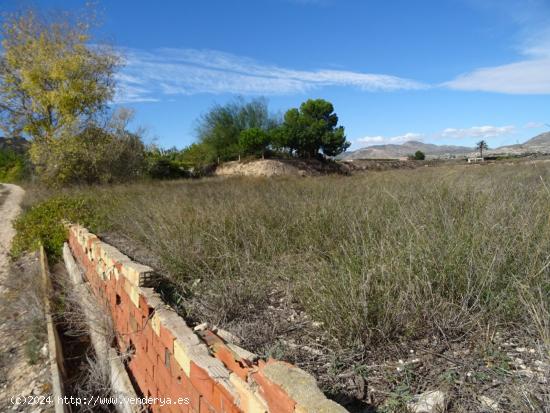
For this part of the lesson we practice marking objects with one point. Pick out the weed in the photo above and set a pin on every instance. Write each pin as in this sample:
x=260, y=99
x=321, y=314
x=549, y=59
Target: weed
x=44, y=223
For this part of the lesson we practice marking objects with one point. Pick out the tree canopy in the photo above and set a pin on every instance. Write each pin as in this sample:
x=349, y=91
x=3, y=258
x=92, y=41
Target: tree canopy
x=247, y=128
x=221, y=127
x=312, y=129
x=55, y=88
x=482, y=146
x=51, y=80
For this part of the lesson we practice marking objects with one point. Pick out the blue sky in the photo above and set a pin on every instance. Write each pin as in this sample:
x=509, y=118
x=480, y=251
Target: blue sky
x=441, y=71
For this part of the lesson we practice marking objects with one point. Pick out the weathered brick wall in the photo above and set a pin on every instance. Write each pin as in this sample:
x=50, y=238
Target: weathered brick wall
x=167, y=359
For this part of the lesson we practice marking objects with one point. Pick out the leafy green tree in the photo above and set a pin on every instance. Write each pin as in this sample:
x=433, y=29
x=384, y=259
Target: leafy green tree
x=163, y=164
x=313, y=128
x=53, y=83
x=220, y=129
x=12, y=166
x=98, y=154
x=419, y=156
x=254, y=141
x=197, y=156
x=482, y=146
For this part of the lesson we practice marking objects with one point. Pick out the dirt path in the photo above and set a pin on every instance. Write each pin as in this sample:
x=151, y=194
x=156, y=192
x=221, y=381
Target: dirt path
x=9, y=209
x=17, y=376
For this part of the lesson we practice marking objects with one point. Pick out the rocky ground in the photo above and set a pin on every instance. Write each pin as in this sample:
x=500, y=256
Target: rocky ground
x=24, y=370
x=499, y=371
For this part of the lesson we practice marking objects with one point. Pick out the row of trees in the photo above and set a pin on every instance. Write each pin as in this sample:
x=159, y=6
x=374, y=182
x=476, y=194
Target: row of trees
x=243, y=129
x=55, y=88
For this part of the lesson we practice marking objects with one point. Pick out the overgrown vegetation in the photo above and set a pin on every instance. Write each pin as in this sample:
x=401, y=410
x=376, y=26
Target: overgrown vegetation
x=447, y=252
x=388, y=255
x=237, y=129
x=246, y=129
x=418, y=156
x=54, y=89
x=12, y=166
x=44, y=223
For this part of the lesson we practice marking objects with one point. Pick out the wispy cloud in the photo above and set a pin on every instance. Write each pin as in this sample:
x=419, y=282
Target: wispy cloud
x=525, y=77
x=156, y=74
x=381, y=140
x=529, y=74
x=534, y=125
x=486, y=131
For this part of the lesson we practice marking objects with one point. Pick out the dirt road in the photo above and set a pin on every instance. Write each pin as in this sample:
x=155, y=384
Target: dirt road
x=17, y=376
x=9, y=209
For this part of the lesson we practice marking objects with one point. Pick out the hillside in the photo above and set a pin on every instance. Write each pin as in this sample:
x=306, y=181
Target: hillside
x=405, y=149
x=540, y=143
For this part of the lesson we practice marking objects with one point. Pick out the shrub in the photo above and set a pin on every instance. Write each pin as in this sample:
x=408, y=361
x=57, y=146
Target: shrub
x=419, y=156
x=43, y=223
x=219, y=129
x=253, y=141
x=12, y=166
x=96, y=155
x=163, y=168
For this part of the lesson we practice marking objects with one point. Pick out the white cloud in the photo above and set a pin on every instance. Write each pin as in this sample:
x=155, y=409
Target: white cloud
x=525, y=77
x=477, y=132
x=370, y=140
x=381, y=140
x=529, y=74
x=448, y=133
x=150, y=75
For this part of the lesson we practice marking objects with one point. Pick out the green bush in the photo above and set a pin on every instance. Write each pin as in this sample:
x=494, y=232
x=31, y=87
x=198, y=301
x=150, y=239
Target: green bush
x=12, y=166
x=96, y=155
x=43, y=223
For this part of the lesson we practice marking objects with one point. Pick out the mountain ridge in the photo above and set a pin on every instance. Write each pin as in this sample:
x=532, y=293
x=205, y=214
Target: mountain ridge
x=539, y=143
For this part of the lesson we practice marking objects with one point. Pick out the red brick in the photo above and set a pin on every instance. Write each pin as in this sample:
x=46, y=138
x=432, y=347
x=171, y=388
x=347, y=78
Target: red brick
x=202, y=382
x=195, y=398
x=276, y=398
x=139, y=375
x=206, y=407
x=166, y=338
x=176, y=371
x=144, y=306
x=151, y=351
x=228, y=358
x=223, y=401
x=136, y=312
x=179, y=390
x=159, y=347
x=163, y=374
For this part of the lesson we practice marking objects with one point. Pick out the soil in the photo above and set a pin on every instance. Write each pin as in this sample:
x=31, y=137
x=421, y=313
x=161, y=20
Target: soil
x=20, y=305
x=280, y=167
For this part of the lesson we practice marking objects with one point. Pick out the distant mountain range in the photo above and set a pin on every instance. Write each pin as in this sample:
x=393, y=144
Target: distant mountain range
x=540, y=143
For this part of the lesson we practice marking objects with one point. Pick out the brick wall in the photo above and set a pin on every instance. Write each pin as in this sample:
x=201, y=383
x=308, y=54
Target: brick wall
x=200, y=371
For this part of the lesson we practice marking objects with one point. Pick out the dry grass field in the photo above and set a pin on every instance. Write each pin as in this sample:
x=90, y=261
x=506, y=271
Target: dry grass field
x=348, y=276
